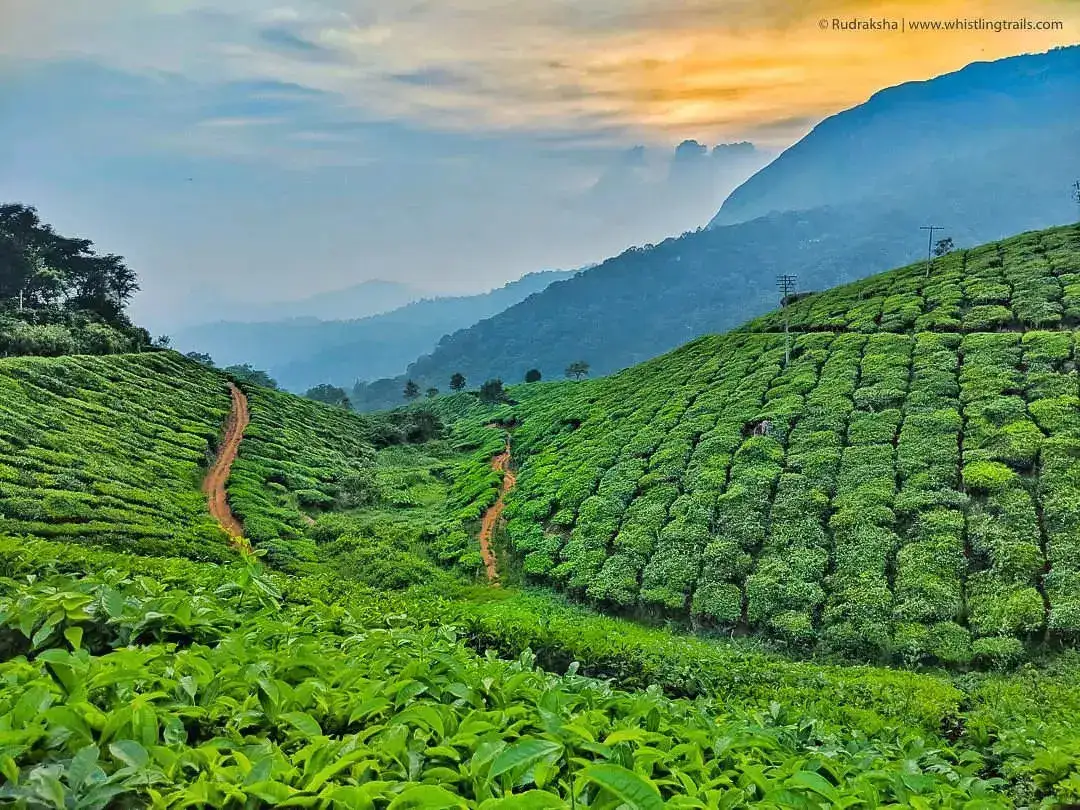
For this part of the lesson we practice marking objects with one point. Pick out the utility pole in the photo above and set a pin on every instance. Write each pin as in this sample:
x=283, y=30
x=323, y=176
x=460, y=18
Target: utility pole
x=786, y=284
x=930, y=244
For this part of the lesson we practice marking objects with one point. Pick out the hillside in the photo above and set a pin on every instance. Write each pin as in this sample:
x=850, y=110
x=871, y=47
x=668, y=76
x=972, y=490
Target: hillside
x=111, y=451
x=905, y=486
x=303, y=352
x=919, y=126
x=1001, y=179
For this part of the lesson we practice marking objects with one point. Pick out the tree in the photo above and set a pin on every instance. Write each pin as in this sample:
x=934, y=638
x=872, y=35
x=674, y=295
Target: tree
x=412, y=390
x=162, y=341
x=432, y=392
x=943, y=247
x=577, y=369
x=40, y=268
x=532, y=375
x=201, y=358
x=457, y=382
x=330, y=395
x=492, y=391
x=245, y=373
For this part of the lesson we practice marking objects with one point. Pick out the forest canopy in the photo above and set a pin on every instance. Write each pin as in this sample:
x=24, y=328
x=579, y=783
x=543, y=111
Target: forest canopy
x=59, y=296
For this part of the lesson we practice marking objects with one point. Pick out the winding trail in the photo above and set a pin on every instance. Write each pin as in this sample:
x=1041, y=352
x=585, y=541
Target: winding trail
x=218, y=476
x=500, y=463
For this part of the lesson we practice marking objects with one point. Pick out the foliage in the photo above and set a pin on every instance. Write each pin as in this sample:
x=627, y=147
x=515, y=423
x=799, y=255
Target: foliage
x=132, y=691
x=244, y=373
x=329, y=395
x=57, y=296
x=201, y=358
x=492, y=392
x=577, y=370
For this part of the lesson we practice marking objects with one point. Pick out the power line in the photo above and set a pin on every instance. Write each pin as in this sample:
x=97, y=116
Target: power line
x=786, y=283
x=930, y=244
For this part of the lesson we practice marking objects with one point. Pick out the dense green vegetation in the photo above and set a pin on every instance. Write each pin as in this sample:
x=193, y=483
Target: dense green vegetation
x=111, y=451
x=225, y=685
x=904, y=488
x=57, y=296
x=226, y=699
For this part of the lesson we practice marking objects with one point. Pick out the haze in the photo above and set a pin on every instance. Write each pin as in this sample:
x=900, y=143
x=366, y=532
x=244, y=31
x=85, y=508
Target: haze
x=269, y=152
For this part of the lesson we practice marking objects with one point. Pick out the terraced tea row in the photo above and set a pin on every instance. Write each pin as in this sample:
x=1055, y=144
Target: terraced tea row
x=1029, y=282
x=882, y=494
x=111, y=451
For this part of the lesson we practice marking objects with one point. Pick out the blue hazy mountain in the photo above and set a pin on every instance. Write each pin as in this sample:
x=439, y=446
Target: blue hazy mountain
x=302, y=352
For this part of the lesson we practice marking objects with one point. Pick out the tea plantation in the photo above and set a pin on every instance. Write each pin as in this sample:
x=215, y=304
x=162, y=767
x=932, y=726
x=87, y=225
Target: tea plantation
x=906, y=487
x=111, y=450
x=904, y=491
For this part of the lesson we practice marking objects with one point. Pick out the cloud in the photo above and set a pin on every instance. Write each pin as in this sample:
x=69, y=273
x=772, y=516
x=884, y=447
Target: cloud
x=570, y=72
x=282, y=38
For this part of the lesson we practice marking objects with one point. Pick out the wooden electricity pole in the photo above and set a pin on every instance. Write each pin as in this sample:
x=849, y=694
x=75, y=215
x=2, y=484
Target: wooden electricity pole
x=930, y=244
x=786, y=284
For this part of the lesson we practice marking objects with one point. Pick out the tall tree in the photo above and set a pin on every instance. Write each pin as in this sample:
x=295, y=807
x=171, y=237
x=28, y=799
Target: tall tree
x=39, y=268
x=532, y=375
x=492, y=391
x=457, y=382
x=329, y=394
x=577, y=369
x=412, y=390
x=943, y=247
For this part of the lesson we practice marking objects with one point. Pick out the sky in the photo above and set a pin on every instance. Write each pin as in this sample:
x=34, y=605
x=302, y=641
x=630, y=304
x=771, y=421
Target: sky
x=263, y=151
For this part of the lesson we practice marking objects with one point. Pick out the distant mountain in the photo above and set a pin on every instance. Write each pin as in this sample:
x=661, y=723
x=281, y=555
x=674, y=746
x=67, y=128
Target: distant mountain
x=925, y=140
x=303, y=352
x=200, y=307
x=1006, y=172
x=359, y=301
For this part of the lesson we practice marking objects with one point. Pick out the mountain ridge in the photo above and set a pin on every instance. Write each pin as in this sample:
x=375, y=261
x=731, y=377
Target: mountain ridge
x=650, y=299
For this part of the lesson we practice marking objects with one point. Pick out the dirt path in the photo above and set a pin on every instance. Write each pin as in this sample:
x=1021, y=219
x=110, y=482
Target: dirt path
x=500, y=463
x=218, y=476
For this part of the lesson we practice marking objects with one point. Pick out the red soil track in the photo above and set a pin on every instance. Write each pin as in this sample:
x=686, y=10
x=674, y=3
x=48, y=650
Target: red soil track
x=218, y=476
x=500, y=463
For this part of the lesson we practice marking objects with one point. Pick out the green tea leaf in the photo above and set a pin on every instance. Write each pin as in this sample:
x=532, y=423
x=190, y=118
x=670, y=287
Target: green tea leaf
x=522, y=754
x=427, y=797
x=632, y=788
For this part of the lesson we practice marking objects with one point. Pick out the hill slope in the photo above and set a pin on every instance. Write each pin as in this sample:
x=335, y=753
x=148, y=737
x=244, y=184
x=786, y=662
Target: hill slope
x=906, y=485
x=1005, y=179
x=111, y=451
